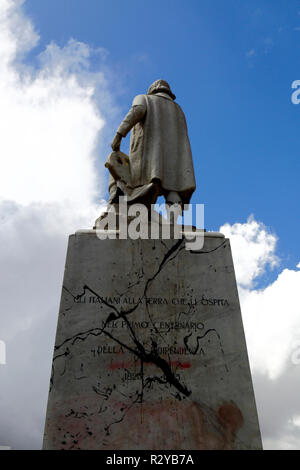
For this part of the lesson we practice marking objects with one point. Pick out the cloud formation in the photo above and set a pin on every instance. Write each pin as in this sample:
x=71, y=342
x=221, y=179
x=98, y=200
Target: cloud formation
x=253, y=250
x=49, y=121
x=271, y=317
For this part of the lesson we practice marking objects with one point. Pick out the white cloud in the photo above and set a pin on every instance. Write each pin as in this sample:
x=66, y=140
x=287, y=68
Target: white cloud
x=271, y=317
x=49, y=123
x=17, y=35
x=253, y=249
x=296, y=421
x=48, y=142
x=272, y=323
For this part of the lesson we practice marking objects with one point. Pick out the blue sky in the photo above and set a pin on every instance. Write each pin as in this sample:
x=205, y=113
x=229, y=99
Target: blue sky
x=69, y=70
x=231, y=64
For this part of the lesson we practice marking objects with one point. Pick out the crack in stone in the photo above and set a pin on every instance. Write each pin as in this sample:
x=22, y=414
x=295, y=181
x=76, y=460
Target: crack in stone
x=199, y=338
x=140, y=352
x=210, y=251
x=169, y=376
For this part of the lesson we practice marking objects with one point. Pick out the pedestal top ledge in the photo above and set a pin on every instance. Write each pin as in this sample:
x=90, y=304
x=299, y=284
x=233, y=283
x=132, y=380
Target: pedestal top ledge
x=188, y=233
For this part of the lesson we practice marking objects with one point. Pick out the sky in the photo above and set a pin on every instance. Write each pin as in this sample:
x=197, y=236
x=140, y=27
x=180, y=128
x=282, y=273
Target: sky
x=68, y=73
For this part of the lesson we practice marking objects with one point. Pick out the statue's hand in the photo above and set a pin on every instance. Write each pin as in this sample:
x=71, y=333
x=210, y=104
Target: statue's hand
x=115, y=145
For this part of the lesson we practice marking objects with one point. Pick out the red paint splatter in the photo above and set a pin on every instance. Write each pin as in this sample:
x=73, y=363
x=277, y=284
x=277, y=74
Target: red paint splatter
x=183, y=365
x=120, y=365
x=230, y=416
x=127, y=365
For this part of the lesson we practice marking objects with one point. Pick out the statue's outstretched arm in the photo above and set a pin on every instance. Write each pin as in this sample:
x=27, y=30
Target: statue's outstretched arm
x=135, y=115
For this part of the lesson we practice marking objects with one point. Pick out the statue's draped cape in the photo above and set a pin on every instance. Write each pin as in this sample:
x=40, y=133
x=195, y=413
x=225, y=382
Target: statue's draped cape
x=160, y=149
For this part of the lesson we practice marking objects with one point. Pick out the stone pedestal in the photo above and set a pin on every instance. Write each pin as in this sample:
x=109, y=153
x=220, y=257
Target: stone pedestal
x=150, y=350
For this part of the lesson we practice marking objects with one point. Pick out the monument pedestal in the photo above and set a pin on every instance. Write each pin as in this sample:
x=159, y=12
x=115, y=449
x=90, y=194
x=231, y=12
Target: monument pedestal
x=150, y=350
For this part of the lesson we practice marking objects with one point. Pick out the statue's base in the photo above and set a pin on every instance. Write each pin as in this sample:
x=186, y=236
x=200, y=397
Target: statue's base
x=150, y=350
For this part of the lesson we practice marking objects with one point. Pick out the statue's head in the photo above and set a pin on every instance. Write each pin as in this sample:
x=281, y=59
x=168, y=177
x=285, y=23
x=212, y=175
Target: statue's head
x=160, y=86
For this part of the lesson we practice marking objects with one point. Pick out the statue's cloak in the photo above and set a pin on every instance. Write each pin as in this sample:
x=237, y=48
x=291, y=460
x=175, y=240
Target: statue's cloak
x=160, y=151
x=160, y=147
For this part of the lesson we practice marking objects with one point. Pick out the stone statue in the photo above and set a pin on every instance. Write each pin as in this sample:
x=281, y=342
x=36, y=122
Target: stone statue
x=160, y=160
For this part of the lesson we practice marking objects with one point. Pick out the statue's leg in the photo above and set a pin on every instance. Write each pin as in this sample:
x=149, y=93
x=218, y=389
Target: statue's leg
x=173, y=198
x=174, y=205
